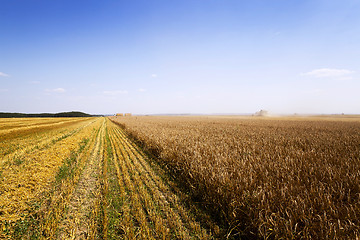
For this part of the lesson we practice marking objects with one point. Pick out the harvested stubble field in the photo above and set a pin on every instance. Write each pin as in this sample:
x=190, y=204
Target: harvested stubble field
x=263, y=178
x=83, y=178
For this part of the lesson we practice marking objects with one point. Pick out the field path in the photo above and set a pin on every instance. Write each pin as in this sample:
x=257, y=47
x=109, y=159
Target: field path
x=80, y=220
x=147, y=208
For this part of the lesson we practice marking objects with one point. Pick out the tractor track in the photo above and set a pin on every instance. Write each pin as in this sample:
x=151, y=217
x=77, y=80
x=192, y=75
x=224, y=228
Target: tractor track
x=150, y=210
x=80, y=221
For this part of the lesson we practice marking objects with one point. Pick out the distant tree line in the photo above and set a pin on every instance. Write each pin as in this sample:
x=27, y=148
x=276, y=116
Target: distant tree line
x=28, y=115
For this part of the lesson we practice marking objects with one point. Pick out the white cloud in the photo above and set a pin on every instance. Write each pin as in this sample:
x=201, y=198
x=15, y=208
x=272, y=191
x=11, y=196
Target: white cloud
x=154, y=75
x=4, y=74
x=341, y=74
x=55, y=90
x=142, y=90
x=4, y=90
x=114, y=93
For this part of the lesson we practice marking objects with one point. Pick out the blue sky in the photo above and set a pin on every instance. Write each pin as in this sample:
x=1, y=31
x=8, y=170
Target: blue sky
x=180, y=56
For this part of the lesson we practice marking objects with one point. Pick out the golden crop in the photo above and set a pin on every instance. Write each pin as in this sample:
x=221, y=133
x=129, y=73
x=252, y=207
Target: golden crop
x=264, y=178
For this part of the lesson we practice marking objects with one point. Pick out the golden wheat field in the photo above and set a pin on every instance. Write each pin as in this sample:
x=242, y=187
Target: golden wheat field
x=83, y=178
x=262, y=178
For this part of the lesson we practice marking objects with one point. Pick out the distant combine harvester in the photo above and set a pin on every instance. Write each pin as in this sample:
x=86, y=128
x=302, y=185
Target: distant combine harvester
x=262, y=113
x=123, y=114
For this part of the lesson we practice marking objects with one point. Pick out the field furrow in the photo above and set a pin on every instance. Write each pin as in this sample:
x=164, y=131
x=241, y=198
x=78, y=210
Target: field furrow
x=79, y=222
x=155, y=211
x=158, y=191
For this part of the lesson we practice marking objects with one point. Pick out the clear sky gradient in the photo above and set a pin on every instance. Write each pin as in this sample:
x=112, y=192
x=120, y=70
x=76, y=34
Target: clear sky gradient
x=180, y=56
